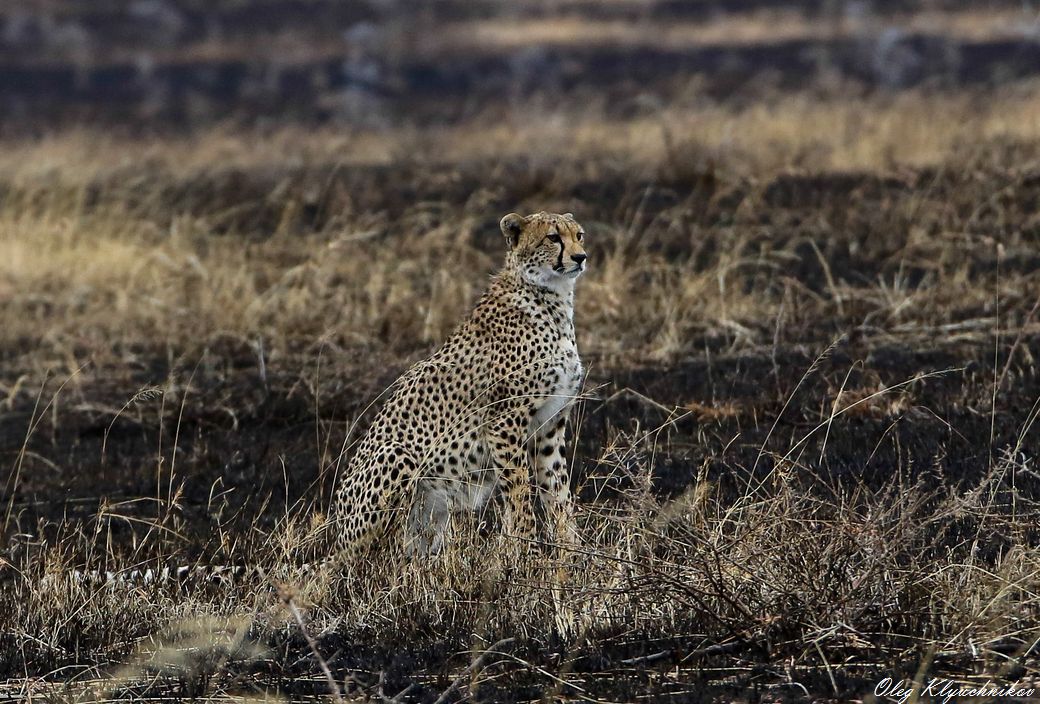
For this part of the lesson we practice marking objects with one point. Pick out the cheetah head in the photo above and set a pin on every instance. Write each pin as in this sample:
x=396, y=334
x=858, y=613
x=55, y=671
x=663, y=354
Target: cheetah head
x=547, y=248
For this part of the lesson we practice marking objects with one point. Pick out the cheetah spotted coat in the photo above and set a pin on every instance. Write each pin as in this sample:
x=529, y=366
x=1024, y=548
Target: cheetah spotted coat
x=486, y=414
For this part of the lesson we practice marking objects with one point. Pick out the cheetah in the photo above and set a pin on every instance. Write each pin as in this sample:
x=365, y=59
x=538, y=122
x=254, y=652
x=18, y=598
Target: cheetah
x=483, y=417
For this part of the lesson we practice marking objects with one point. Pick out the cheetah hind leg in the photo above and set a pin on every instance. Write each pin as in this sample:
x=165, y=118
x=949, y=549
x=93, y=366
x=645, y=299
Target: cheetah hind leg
x=370, y=520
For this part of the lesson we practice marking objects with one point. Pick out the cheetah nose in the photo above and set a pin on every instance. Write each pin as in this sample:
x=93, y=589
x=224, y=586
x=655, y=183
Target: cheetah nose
x=579, y=258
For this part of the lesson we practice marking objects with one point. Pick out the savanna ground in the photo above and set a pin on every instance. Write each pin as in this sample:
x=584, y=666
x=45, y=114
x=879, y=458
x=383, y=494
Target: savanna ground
x=805, y=452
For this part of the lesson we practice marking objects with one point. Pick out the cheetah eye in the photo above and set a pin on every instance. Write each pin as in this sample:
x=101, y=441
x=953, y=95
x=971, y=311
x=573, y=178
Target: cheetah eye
x=581, y=236
x=554, y=237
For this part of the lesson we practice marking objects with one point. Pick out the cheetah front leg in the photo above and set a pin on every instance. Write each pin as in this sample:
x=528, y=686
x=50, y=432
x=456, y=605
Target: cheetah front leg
x=553, y=481
x=507, y=442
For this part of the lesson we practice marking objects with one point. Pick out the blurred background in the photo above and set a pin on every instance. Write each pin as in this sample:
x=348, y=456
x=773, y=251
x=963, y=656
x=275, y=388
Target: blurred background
x=178, y=64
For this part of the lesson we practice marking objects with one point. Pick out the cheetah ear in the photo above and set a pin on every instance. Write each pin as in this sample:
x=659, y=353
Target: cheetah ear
x=512, y=227
x=569, y=216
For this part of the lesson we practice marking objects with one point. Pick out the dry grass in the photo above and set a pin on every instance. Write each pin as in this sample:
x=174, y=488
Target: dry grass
x=762, y=508
x=822, y=590
x=842, y=132
x=106, y=242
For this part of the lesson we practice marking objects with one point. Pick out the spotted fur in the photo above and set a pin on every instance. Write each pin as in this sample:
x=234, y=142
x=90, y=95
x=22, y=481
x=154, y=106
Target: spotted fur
x=486, y=414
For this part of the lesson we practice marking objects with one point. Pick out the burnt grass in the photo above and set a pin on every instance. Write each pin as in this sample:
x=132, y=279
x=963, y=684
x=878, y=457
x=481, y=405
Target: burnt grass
x=722, y=409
